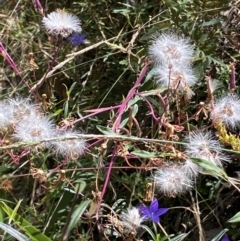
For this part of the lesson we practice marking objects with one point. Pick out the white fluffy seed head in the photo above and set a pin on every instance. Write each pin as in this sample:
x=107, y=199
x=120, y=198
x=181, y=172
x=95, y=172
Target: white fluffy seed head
x=15, y=110
x=69, y=146
x=190, y=168
x=61, y=23
x=203, y=145
x=227, y=111
x=171, y=49
x=176, y=77
x=131, y=220
x=172, y=181
x=34, y=128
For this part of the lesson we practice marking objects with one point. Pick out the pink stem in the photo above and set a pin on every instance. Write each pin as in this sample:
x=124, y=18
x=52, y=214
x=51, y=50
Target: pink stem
x=95, y=112
x=157, y=119
x=116, y=125
x=8, y=58
x=129, y=97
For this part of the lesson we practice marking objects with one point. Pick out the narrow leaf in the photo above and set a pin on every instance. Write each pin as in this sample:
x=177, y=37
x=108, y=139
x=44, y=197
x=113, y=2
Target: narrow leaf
x=235, y=218
x=77, y=214
x=179, y=237
x=220, y=235
x=210, y=168
x=13, y=232
x=145, y=154
x=33, y=233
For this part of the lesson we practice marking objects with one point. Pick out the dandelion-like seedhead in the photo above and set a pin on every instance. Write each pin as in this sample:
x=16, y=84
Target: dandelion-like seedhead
x=172, y=181
x=171, y=49
x=61, y=23
x=34, y=128
x=190, y=168
x=204, y=146
x=69, y=146
x=226, y=110
x=131, y=220
x=176, y=77
x=20, y=109
x=14, y=110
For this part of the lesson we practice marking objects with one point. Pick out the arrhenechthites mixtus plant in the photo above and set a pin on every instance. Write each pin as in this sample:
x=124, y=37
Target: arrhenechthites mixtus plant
x=171, y=55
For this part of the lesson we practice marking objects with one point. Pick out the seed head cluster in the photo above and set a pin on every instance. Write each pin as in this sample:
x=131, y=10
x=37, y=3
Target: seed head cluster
x=171, y=55
x=25, y=122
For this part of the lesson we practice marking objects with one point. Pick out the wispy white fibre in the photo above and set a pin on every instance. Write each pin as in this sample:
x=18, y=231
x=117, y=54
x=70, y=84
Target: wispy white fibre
x=176, y=77
x=5, y=115
x=61, y=23
x=131, y=220
x=203, y=145
x=190, y=168
x=33, y=129
x=70, y=145
x=172, y=181
x=171, y=49
x=20, y=109
x=227, y=110
x=214, y=85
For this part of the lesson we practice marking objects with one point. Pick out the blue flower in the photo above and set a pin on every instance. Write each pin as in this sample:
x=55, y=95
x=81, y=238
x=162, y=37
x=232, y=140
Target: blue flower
x=152, y=212
x=225, y=238
x=77, y=39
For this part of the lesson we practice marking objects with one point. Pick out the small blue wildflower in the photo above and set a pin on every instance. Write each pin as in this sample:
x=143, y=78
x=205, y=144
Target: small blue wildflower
x=225, y=238
x=77, y=39
x=153, y=212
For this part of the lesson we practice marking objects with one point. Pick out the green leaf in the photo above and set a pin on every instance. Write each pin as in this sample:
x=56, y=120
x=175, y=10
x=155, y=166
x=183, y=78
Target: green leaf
x=179, y=237
x=145, y=154
x=77, y=214
x=106, y=131
x=33, y=233
x=151, y=74
x=210, y=168
x=124, y=122
x=133, y=101
x=211, y=22
x=220, y=235
x=149, y=231
x=71, y=88
x=13, y=232
x=235, y=218
x=14, y=211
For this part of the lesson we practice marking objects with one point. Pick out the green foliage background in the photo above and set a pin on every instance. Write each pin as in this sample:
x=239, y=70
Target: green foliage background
x=102, y=77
